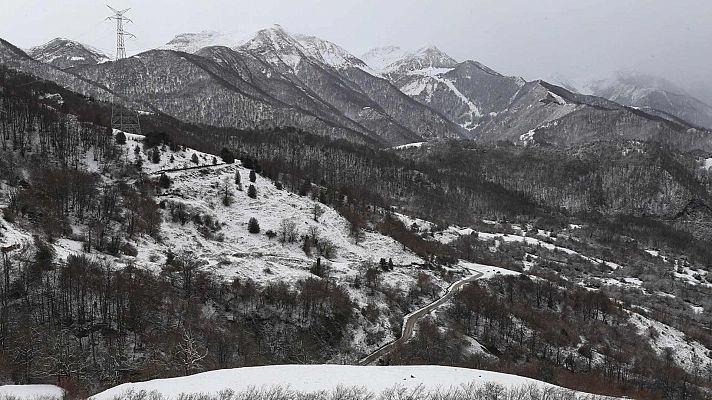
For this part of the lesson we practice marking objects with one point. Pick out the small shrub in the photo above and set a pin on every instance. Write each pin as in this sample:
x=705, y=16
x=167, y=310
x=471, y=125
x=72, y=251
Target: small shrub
x=320, y=269
x=326, y=249
x=120, y=138
x=253, y=226
x=129, y=249
x=164, y=181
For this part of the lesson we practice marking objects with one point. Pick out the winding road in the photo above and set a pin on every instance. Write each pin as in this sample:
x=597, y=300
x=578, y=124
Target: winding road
x=412, y=318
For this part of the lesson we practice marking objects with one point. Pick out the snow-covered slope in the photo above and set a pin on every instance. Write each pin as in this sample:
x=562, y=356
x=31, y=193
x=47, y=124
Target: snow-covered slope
x=314, y=378
x=226, y=249
x=65, y=53
x=200, y=187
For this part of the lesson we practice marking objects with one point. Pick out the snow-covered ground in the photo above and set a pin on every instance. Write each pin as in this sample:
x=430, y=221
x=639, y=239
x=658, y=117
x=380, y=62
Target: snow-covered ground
x=409, y=145
x=312, y=378
x=453, y=232
x=31, y=392
x=169, y=159
x=487, y=271
x=707, y=164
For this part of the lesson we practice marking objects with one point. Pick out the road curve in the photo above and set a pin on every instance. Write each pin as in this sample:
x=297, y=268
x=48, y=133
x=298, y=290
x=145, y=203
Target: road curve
x=412, y=318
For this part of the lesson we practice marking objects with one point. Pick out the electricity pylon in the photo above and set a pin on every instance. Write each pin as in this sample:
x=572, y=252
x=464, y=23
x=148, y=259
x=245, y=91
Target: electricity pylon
x=121, y=118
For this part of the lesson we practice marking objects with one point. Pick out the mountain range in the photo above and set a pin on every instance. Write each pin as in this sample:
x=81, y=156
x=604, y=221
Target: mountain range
x=388, y=96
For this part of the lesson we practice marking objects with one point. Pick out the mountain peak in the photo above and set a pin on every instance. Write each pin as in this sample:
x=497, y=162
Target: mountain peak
x=389, y=59
x=379, y=58
x=435, y=57
x=329, y=53
x=424, y=59
x=276, y=46
x=66, y=53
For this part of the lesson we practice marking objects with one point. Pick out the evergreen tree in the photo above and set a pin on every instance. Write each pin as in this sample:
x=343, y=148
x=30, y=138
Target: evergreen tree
x=194, y=159
x=227, y=156
x=317, y=211
x=156, y=156
x=307, y=245
x=253, y=176
x=238, y=180
x=253, y=226
x=120, y=137
x=164, y=181
x=252, y=192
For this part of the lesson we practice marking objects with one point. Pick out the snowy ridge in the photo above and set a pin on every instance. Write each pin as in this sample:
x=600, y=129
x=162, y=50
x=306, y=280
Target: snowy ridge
x=330, y=53
x=192, y=42
x=313, y=378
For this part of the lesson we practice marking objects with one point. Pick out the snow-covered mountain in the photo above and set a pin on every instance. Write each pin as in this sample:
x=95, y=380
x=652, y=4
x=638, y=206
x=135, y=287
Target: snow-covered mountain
x=654, y=93
x=65, y=53
x=465, y=92
x=389, y=96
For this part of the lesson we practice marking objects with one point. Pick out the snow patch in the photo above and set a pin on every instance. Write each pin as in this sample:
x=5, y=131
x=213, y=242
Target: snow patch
x=31, y=392
x=409, y=145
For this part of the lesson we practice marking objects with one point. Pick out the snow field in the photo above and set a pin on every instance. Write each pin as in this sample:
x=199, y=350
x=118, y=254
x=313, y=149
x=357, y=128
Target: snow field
x=312, y=378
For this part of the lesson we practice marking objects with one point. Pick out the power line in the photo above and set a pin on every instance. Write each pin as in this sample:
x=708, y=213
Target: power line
x=119, y=17
x=121, y=118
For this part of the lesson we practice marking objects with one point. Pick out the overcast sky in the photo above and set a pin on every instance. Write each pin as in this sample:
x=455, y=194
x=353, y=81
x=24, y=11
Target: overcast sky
x=576, y=39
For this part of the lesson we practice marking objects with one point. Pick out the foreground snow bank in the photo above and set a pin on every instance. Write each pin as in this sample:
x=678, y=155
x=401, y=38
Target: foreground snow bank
x=31, y=392
x=312, y=378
